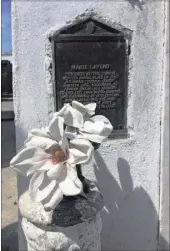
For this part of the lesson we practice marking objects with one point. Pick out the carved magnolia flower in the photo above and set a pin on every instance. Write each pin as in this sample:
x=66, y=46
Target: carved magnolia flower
x=52, y=160
x=81, y=122
x=51, y=154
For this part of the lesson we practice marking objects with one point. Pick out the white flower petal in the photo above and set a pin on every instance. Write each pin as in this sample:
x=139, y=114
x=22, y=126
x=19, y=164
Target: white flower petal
x=63, y=143
x=73, y=118
x=54, y=172
x=26, y=153
x=62, y=111
x=93, y=137
x=80, y=151
x=72, y=174
x=39, y=133
x=41, y=142
x=93, y=127
x=79, y=106
x=35, y=183
x=55, y=200
x=44, y=193
x=70, y=188
x=84, y=109
x=46, y=165
x=97, y=128
x=91, y=108
x=76, y=157
x=70, y=132
x=56, y=128
x=29, y=158
x=102, y=118
x=38, y=166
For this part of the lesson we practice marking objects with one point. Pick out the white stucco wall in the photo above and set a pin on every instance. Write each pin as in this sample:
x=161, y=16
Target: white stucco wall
x=164, y=240
x=127, y=170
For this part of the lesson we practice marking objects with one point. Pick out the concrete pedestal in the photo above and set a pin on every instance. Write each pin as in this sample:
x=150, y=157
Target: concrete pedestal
x=74, y=225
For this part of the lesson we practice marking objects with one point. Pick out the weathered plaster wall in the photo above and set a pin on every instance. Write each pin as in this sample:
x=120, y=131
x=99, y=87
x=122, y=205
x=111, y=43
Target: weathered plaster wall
x=164, y=238
x=127, y=170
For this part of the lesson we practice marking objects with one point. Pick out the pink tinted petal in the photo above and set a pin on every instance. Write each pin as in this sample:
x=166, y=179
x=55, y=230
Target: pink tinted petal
x=46, y=165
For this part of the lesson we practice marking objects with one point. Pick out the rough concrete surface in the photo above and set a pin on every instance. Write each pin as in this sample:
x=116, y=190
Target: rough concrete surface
x=79, y=237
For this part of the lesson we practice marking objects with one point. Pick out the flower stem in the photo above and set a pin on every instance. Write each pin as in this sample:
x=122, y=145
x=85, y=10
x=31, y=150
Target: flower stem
x=82, y=179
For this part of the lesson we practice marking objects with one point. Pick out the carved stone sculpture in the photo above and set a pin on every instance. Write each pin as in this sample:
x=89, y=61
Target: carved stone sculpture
x=75, y=224
x=61, y=209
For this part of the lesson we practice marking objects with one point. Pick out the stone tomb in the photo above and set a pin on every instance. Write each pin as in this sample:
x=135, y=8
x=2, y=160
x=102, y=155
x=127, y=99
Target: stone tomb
x=90, y=65
x=130, y=171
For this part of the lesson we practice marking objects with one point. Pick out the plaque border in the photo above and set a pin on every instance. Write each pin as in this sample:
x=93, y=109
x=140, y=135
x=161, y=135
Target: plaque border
x=65, y=38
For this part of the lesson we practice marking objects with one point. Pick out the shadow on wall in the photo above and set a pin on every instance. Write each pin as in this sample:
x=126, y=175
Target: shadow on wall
x=136, y=3
x=129, y=218
x=9, y=237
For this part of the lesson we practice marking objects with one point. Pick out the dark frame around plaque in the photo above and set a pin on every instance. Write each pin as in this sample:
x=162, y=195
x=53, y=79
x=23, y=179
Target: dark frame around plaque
x=68, y=36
